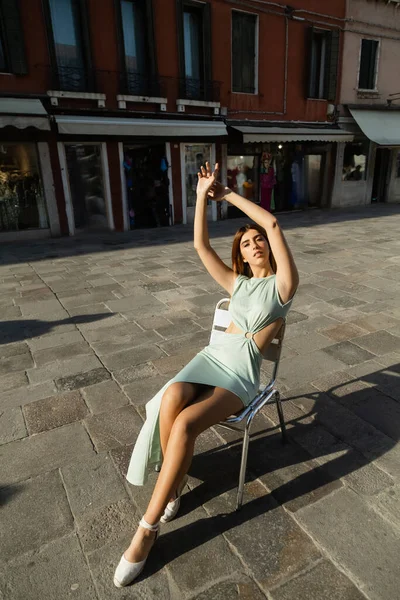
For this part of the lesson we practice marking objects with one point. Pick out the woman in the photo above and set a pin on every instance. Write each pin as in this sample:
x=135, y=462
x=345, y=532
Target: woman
x=224, y=376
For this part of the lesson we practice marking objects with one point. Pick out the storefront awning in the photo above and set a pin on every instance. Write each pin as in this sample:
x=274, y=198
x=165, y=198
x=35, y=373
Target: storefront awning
x=259, y=134
x=380, y=126
x=139, y=127
x=23, y=113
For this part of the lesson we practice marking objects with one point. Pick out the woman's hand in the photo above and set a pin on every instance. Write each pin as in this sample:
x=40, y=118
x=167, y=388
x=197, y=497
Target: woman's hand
x=218, y=191
x=206, y=179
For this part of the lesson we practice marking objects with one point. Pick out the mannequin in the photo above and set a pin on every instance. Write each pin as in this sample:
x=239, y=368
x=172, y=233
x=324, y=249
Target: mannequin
x=267, y=180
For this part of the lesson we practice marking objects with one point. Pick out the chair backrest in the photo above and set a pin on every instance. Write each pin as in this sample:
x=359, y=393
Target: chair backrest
x=222, y=319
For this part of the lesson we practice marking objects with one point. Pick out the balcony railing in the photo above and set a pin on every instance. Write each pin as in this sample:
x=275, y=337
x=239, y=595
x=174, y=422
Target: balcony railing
x=73, y=79
x=139, y=84
x=198, y=89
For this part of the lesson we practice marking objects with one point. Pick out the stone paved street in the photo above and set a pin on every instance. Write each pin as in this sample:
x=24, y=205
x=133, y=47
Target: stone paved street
x=93, y=326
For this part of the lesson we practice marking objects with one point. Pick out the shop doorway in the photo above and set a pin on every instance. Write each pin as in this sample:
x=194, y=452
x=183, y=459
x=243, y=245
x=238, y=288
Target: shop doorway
x=381, y=175
x=193, y=156
x=147, y=185
x=86, y=186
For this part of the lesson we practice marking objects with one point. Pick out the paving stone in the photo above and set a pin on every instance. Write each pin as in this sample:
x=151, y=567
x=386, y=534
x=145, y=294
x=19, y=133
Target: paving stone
x=61, y=353
x=305, y=343
x=91, y=485
x=387, y=503
x=131, y=357
x=114, y=428
x=153, y=322
x=329, y=522
x=348, y=353
x=379, y=342
x=72, y=366
x=43, y=307
x=295, y=317
x=239, y=586
x=296, y=371
x=8, y=350
x=142, y=391
x=126, y=342
x=324, y=580
x=135, y=373
x=311, y=324
x=106, y=320
x=12, y=425
x=107, y=334
x=104, y=396
x=59, y=566
x=107, y=524
x=43, y=452
x=73, y=382
x=173, y=364
x=25, y=528
x=376, y=322
x=15, y=363
x=346, y=302
x=343, y=332
x=24, y=395
x=54, y=412
x=178, y=328
x=12, y=380
x=54, y=340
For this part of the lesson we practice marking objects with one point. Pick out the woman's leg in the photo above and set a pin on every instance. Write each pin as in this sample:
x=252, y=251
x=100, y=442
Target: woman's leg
x=214, y=405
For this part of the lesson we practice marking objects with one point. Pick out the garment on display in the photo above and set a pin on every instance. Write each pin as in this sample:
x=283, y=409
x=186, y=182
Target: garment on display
x=146, y=175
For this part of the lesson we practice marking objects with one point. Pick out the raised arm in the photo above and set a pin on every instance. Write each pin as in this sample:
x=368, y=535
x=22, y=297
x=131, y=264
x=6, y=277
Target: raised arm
x=287, y=277
x=210, y=259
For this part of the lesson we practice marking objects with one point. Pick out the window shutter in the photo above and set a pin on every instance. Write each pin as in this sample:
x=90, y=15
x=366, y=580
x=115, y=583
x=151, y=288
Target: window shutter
x=84, y=22
x=152, y=55
x=331, y=65
x=207, y=42
x=310, y=74
x=237, y=54
x=181, y=45
x=13, y=35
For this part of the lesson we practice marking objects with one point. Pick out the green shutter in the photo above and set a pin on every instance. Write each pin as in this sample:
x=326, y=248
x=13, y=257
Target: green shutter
x=13, y=35
x=331, y=65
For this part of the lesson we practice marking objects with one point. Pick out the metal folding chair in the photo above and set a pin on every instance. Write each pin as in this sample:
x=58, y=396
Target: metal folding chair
x=266, y=395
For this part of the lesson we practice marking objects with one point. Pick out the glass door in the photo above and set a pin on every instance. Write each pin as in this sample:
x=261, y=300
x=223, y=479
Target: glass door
x=195, y=155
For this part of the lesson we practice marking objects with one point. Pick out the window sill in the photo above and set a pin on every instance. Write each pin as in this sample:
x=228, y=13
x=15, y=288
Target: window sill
x=56, y=94
x=181, y=104
x=318, y=99
x=368, y=94
x=122, y=99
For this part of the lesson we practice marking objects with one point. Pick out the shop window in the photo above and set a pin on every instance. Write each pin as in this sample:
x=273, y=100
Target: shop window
x=243, y=176
x=244, y=52
x=12, y=49
x=368, y=65
x=86, y=185
x=22, y=204
x=68, y=20
x=398, y=166
x=323, y=63
x=355, y=161
x=136, y=25
x=195, y=50
x=196, y=155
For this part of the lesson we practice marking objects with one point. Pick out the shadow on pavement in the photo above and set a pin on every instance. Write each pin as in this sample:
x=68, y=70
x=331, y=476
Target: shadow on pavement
x=339, y=448
x=17, y=331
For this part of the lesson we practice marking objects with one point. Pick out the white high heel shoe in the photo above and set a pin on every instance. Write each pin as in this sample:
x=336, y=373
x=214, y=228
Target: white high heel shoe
x=172, y=507
x=126, y=572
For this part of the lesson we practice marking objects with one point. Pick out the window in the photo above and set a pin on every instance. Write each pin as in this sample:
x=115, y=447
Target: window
x=195, y=51
x=135, y=19
x=355, y=161
x=69, y=48
x=244, y=52
x=323, y=61
x=368, y=64
x=398, y=166
x=22, y=204
x=12, y=49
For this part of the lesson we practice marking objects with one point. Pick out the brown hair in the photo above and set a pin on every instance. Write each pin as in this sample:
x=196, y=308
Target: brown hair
x=238, y=265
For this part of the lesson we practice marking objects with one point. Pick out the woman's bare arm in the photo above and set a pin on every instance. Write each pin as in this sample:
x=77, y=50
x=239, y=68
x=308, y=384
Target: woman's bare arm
x=287, y=276
x=210, y=259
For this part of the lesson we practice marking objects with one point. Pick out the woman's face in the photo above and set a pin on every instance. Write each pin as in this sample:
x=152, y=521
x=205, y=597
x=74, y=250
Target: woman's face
x=254, y=248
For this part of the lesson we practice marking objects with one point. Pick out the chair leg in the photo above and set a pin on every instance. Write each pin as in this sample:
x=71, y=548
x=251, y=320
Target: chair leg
x=157, y=468
x=281, y=417
x=243, y=465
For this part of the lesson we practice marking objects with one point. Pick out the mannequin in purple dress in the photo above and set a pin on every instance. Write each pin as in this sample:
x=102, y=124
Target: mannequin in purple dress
x=267, y=180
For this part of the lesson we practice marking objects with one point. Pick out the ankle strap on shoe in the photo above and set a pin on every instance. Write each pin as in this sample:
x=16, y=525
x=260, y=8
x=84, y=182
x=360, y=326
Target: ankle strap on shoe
x=146, y=525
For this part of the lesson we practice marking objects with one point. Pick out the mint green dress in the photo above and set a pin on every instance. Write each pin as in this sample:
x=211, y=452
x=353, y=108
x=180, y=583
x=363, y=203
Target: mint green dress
x=232, y=362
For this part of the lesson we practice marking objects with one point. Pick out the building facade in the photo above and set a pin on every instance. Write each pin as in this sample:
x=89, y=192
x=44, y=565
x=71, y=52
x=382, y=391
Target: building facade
x=368, y=169
x=108, y=109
